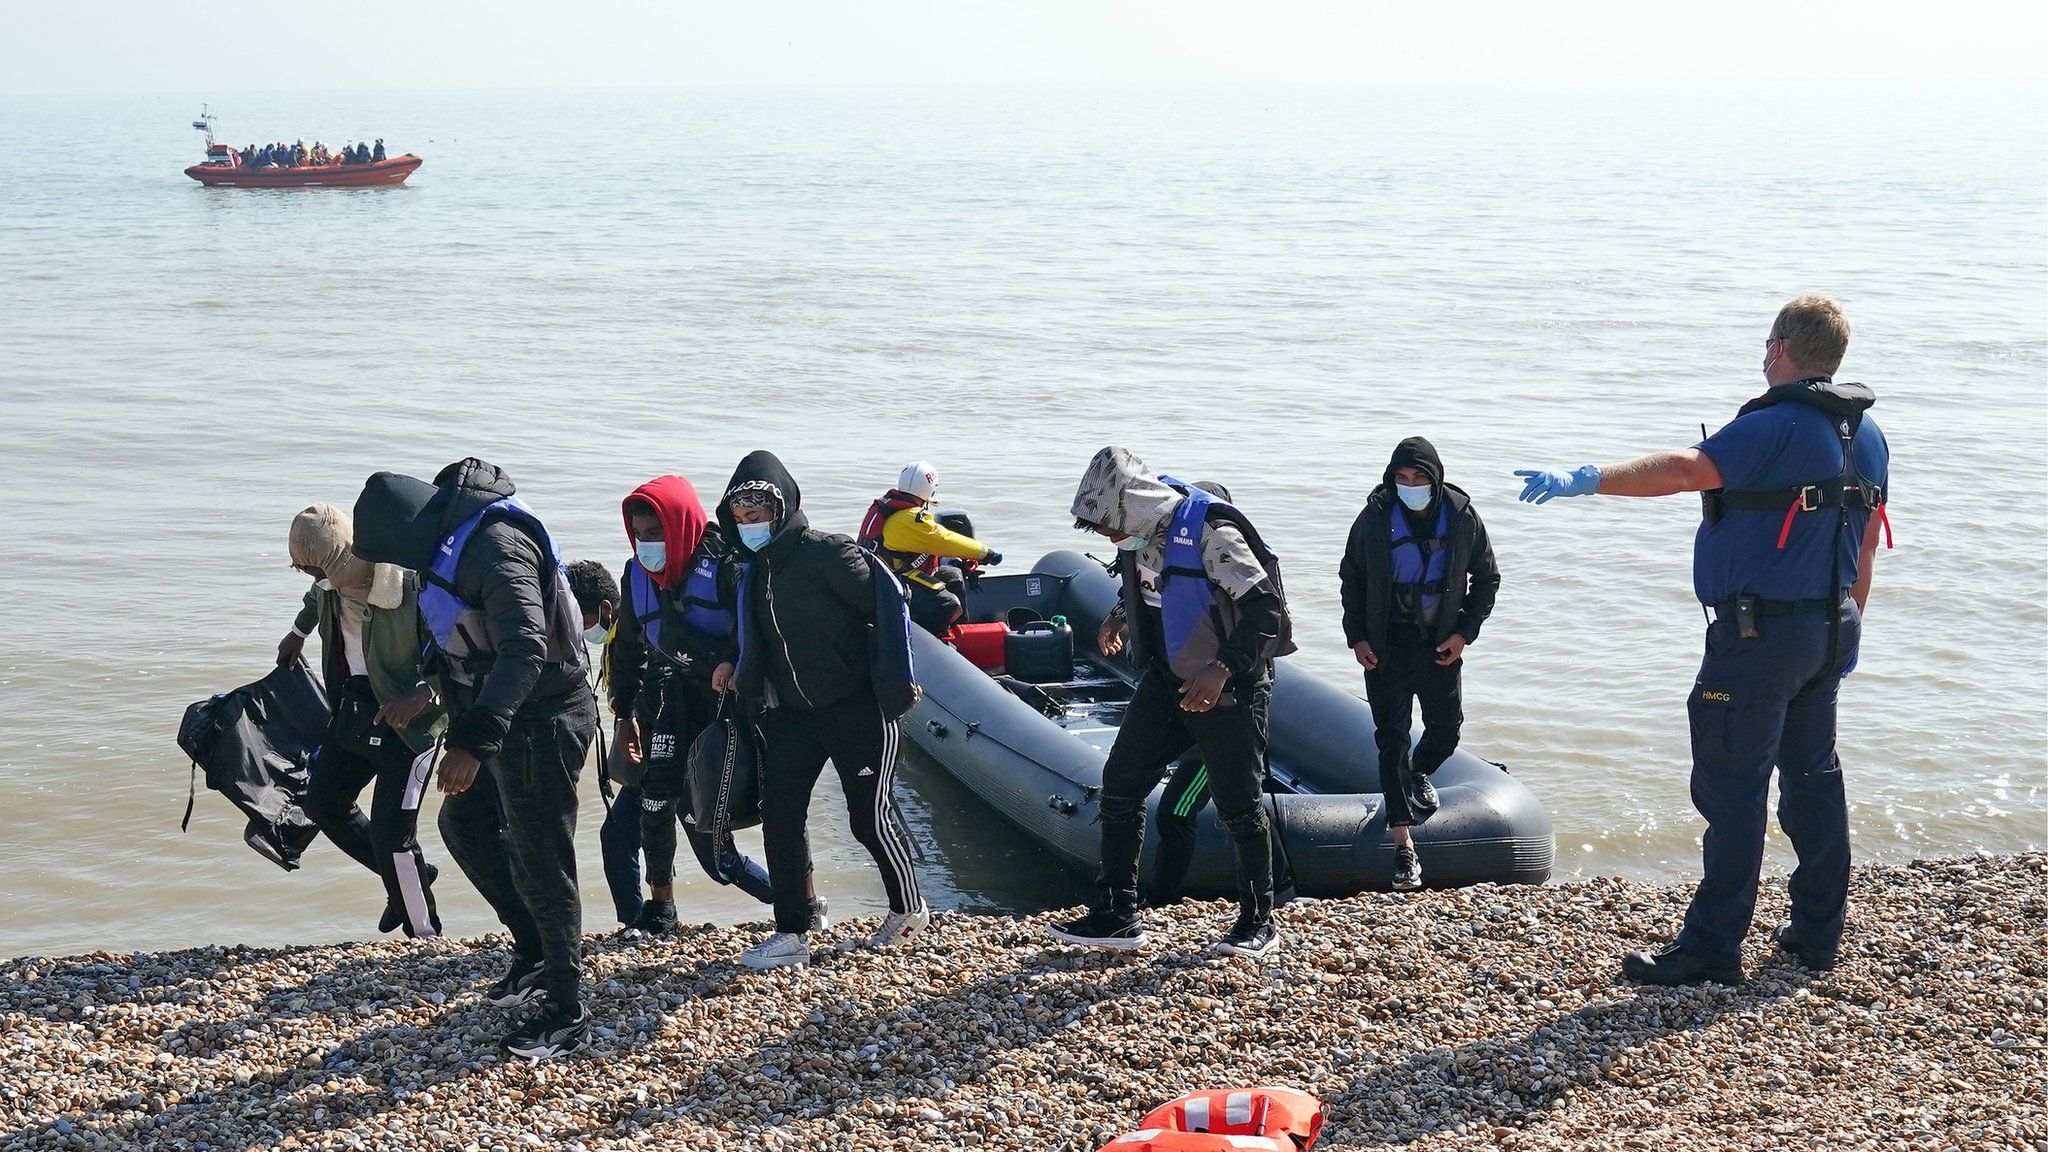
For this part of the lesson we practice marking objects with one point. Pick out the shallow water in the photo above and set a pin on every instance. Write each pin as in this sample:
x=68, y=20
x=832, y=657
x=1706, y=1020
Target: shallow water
x=1264, y=286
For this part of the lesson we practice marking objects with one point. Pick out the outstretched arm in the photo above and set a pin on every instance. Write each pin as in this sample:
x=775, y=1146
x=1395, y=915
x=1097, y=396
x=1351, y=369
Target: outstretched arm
x=1658, y=474
x=1661, y=474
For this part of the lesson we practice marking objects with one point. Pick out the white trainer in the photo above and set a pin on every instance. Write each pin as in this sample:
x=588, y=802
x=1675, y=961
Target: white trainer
x=778, y=951
x=899, y=927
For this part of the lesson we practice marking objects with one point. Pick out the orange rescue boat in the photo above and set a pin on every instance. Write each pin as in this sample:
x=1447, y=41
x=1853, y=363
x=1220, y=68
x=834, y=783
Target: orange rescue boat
x=223, y=168
x=228, y=171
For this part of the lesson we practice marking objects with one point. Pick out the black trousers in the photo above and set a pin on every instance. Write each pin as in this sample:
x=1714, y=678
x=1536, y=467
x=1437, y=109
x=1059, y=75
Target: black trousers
x=1408, y=672
x=674, y=709
x=359, y=752
x=1761, y=704
x=936, y=609
x=1180, y=805
x=514, y=834
x=1156, y=731
x=795, y=743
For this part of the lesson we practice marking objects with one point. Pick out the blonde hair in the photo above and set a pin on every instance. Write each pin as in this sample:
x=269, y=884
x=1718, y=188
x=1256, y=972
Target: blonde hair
x=1814, y=332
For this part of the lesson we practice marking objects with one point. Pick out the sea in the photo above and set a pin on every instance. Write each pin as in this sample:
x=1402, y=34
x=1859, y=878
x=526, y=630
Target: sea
x=1266, y=286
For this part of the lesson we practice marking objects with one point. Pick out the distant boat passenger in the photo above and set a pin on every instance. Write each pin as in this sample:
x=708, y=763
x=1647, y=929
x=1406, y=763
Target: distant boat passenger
x=378, y=155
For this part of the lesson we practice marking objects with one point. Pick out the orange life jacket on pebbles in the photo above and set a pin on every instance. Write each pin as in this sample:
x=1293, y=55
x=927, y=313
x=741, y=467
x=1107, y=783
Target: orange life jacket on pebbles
x=1264, y=1119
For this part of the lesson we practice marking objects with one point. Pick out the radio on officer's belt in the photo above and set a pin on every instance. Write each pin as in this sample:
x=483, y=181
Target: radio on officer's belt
x=1745, y=617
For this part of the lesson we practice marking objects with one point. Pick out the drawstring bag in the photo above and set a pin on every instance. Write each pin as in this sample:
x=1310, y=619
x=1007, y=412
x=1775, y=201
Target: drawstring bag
x=256, y=745
x=725, y=773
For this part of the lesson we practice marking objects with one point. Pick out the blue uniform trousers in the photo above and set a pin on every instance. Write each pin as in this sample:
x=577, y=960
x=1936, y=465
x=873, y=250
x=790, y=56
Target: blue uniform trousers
x=1764, y=703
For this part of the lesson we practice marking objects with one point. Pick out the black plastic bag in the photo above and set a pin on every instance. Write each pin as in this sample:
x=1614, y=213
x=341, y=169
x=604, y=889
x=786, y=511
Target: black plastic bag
x=256, y=745
x=725, y=773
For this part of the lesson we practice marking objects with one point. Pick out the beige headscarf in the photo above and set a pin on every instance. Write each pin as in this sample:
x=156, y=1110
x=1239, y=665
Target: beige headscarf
x=320, y=538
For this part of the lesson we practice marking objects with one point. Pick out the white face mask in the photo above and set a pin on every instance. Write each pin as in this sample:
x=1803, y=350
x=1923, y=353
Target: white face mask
x=324, y=584
x=652, y=554
x=595, y=634
x=1415, y=496
x=1777, y=350
x=1131, y=544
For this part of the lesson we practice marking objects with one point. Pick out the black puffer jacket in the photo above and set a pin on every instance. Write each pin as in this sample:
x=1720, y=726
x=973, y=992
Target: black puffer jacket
x=807, y=602
x=1367, y=572
x=535, y=635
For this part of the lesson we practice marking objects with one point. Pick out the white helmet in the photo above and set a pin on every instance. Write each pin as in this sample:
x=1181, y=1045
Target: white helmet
x=920, y=480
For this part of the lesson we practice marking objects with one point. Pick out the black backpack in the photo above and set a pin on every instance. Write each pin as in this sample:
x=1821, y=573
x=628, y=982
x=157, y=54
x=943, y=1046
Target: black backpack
x=256, y=745
x=725, y=773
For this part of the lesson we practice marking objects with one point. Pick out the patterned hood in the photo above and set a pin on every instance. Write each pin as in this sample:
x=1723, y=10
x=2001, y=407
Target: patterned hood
x=1119, y=493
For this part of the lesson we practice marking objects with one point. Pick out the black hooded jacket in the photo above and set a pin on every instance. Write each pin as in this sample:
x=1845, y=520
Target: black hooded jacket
x=807, y=603
x=534, y=631
x=1367, y=572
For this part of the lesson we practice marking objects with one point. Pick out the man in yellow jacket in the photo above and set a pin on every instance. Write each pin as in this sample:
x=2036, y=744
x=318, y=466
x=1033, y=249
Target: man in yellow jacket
x=901, y=529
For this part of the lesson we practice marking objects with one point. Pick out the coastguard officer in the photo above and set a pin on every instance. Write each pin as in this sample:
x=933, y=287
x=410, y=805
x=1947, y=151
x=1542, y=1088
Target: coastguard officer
x=1794, y=491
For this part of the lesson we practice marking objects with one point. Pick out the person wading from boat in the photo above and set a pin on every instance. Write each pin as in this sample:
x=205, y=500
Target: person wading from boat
x=1418, y=581
x=1206, y=652
x=1794, y=490
x=823, y=664
x=508, y=648
x=901, y=528
x=678, y=622
x=370, y=644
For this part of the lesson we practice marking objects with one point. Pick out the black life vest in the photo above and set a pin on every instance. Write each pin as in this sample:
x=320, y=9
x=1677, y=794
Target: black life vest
x=1844, y=492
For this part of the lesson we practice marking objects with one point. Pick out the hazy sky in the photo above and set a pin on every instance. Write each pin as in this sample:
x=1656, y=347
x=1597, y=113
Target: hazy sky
x=219, y=46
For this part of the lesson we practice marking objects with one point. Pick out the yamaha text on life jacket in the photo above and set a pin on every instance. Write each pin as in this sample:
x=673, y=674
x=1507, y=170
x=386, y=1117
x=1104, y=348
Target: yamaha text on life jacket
x=1189, y=613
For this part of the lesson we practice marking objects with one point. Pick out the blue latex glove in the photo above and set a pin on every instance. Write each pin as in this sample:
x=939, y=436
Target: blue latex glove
x=1543, y=487
x=993, y=558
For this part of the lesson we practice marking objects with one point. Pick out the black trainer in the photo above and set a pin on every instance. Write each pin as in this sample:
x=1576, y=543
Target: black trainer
x=1674, y=964
x=657, y=917
x=1102, y=928
x=1252, y=935
x=394, y=913
x=1407, y=868
x=1812, y=959
x=1425, y=793
x=517, y=986
x=554, y=1030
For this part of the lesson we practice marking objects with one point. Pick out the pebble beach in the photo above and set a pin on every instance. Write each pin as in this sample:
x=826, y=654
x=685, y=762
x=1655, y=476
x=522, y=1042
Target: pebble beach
x=1484, y=1017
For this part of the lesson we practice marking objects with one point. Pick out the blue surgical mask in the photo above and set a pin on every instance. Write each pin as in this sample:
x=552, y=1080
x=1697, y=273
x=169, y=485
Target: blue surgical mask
x=595, y=634
x=653, y=554
x=1131, y=544
x=756, y=536
x=1415, y=496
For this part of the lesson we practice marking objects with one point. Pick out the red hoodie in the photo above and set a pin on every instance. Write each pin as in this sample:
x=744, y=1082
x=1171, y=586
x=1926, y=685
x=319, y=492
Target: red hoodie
x=682, y=519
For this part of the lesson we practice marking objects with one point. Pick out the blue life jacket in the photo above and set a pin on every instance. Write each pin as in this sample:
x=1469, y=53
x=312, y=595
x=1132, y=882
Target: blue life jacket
x=1419, y=564
x=1186, y=595
x=704, y=616
x=458, y=626
x=1188, y=606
